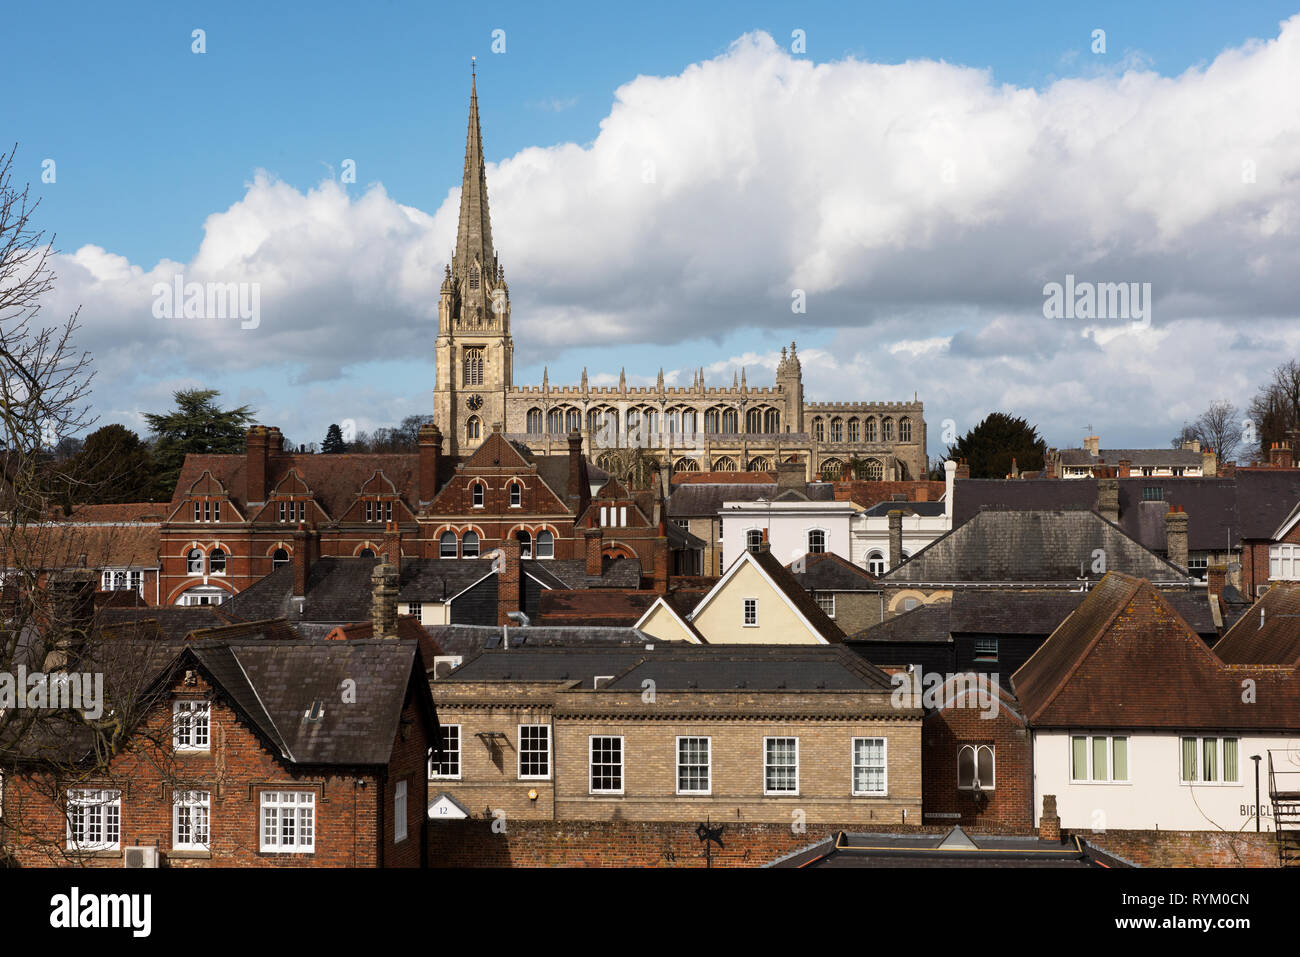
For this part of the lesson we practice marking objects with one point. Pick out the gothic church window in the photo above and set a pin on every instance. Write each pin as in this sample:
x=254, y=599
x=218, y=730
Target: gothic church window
x=730, y=422
x=905, y=429
x=771, y=421
x=573, y=421
x=555, y=422
x=534, y=421
x=837, y=430
x=473, y=428
x=871, y=430
x=819, y=430
x=754, y=421
x=887, y=430
x=853, y=430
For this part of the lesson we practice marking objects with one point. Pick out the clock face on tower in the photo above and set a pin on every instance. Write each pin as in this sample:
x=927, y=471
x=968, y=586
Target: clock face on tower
x=475, y=402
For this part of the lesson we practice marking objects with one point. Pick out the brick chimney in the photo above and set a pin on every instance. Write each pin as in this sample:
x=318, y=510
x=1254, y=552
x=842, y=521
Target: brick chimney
x=304, y=556
x=895, y=538
x=274, y=440
x=1108, y=496
x=72, y=614
x=662, y=558
x=1216, y=579
x=963, y=469
x=1125, y=468
x=1049, y=823
x=921, y=492
x=509, y=594
x=790, y=475
x=383, y=601
x=430, y=456
x=1176, y=536
x=391, y=549
x=1092, y=444
x=578, y=491
x=1279, y=455
x=259, y=468
x=1228, y=469
x=1209, y=463
x=592, y=543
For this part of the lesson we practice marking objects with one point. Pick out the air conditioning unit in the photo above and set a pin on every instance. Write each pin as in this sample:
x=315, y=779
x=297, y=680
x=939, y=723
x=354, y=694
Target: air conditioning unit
x=443, y=665
x=140, y=857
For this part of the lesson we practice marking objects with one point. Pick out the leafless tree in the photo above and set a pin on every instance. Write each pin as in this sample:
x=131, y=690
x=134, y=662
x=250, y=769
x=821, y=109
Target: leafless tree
x=1219, y=428
x=1275, y=410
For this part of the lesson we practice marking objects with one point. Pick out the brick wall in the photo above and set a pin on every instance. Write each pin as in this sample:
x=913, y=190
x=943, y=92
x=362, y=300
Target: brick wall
x=944, y=734
x=1187, y=848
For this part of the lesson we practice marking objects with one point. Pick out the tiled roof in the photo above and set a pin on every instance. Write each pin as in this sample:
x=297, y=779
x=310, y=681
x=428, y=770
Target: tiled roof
x=1125, y=659
x=1055, y=546
x=146, y=512
x=1268, y=633
x=172, y=622
x=1185, y=458
x=335, y=480
x=408, y=629
x=724, y=478
x=69, y=545
x=867, y=494
x=607, y=607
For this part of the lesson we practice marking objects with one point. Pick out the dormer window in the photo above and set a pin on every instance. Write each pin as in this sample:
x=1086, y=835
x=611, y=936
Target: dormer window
x=379, y=511
x=293, y=511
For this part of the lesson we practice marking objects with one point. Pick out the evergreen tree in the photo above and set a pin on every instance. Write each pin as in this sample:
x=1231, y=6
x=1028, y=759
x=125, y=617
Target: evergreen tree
x=333, y=443
x=113, y=466
x=991, y=445
x=197, y=426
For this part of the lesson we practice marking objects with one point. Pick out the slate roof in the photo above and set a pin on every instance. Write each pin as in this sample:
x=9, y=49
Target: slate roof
x=1125, y=659
x=274, y=685
x=926, y=509
x=1050, y=547
x=754, y=668
x=697, y=500
x=1220, y=510
x=172, y=622
x=924, y=623
x=466, y=640
x=1268, y=633
x=829, y=572
x=957, y=848
x=546, y=664
x=1009, y=612
x=1184, y=458
x=339, y=589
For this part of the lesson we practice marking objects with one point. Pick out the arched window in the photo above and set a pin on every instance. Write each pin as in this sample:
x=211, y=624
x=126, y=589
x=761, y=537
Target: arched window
x=545, y=545
x=816, y=541
x=366, y=553
x=525, y=543
x=832, y=468
x=469, y=545
x=837, y=430
x=686, y=465
x=279, y=558
x=886, y=430
x=754, y=420
x=759, y=464
x=724, y=464
x=876, y=563
x=473, y=367
x=217, y=561
x=572, y=421
x=447, y=545
x=819, y=430
x=905, y=429
x=870, y=432
x=874, y=471
x=534, y=421
x=713, y=421
x=473, y=428
x=975, y=768
x=674, y=421
x=194, y=561
x=730, y=421
x=690, y=422
x=516, y=495
x=633, y=417
x=853, y=430
x=473, y=277
x=555, y=422
x=478, y=492
x=753, y=539
x=652, y=423
x=771, y=421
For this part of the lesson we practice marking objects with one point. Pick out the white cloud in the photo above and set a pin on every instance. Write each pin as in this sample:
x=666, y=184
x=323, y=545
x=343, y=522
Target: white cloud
x=921, y=206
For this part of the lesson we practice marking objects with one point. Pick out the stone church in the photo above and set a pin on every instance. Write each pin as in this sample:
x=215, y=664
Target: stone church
x=631, y=431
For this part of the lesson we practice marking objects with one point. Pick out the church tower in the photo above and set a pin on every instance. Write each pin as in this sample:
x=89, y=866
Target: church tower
x=474, y=353
x=789, y=379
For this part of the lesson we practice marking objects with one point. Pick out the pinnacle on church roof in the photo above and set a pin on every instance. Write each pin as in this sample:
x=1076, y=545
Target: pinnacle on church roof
x=584, y=378
x=474, y=232
x=660, y=384
x=622, y=380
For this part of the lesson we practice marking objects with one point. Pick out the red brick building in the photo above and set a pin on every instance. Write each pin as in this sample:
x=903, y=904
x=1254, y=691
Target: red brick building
x=251, y=753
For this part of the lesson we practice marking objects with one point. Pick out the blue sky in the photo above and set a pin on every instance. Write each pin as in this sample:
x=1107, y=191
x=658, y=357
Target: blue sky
x=150, y=140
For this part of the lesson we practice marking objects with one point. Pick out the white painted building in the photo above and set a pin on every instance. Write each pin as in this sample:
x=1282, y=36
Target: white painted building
x=792, y=526
x=923, y=522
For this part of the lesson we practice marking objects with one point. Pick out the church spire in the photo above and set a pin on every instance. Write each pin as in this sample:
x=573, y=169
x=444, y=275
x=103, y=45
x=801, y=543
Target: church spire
x=474, y=234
